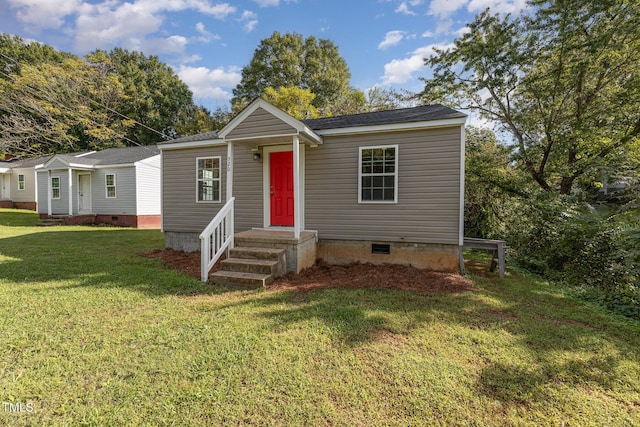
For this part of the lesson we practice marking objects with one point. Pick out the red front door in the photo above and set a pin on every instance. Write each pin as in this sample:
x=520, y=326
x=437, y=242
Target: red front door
x=281, y=164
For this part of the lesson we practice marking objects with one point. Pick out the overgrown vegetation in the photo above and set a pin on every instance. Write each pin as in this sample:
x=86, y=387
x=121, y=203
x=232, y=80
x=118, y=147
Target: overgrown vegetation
x=94, y=335
x=561, y=86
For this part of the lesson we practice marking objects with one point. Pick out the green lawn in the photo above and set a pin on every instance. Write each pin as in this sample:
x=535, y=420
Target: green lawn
x=92, y=334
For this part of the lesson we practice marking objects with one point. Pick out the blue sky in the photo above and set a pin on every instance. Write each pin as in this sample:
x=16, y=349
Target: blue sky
x=207, y=42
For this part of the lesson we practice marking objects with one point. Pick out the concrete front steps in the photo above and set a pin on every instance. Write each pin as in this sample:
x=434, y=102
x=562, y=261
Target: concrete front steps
x=250, y=267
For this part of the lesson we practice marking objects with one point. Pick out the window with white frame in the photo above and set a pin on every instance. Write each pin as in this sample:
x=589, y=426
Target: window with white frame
x=378, y=174
x=208, y=179
x=55, y=187
x=110, y=184
x=20, y=182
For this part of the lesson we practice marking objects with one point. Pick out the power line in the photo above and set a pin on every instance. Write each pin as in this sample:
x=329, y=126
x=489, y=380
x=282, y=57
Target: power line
x=162, y=134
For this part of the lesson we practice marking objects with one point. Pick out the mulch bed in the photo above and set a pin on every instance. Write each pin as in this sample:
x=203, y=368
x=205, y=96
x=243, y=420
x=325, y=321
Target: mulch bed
x=326, y=276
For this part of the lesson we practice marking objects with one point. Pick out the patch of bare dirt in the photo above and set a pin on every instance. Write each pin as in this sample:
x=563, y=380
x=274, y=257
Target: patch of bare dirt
x=327, y=276
x=186, y=262
x=369, y=276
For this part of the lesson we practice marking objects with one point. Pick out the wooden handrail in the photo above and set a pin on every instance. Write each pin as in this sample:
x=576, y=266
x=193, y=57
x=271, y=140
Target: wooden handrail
x=216, y=238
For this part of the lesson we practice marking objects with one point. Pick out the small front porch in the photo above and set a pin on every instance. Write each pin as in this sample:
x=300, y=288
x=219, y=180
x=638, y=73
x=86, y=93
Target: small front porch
x=262, y=255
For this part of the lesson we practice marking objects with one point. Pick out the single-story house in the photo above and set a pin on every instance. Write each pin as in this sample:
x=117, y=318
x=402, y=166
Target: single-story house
x=118, y=186
x=381, y=187
x=18, y=183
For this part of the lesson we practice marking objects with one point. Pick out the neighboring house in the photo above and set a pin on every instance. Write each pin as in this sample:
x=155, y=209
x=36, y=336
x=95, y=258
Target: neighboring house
x=375, y=187
x=18, y=185
x=119, y=186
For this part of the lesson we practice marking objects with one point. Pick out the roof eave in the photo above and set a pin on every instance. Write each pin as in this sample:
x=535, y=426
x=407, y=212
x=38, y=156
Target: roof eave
x=390, y=127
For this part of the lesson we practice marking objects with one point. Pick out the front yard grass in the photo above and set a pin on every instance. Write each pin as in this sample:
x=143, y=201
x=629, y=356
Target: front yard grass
x=92, y=334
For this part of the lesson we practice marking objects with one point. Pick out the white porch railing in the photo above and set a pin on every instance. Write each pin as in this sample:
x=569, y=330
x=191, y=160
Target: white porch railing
x=216, y=238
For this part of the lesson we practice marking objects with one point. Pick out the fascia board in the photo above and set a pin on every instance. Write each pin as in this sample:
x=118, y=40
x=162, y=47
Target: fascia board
x=192, y=144
x=393, y=127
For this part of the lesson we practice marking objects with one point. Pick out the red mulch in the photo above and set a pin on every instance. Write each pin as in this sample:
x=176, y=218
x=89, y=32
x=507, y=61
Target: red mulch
x=326, y=276
x=187, y=262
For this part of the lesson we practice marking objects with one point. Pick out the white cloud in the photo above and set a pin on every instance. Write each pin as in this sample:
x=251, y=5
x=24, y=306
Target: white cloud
x=401, y=70
x=497, y=6
x=392, y=38
x=267, y=3
x=403, y=8
x=250, y=20
x=444, y=8
x=210, y=84
x=205, y=36
x=427, y=34
x=462, y=31
x=41, y=14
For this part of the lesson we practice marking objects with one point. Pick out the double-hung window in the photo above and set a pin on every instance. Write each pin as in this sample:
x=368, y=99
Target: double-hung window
x=110, y=184
x=55, y=187
x=21, y=182
x=208, y=179
x=378, y=174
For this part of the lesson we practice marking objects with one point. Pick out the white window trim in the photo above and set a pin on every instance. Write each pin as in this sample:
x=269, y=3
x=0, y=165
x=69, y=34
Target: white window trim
x=106, y=186
x=23, y=182
x=395, y=175
x=219, y=179
x=58, y=187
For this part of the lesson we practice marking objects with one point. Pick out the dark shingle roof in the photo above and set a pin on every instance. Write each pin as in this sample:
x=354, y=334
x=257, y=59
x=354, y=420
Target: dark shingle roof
x=119, y=156
x=204, y=136
x=403, y=115
x=30, y=162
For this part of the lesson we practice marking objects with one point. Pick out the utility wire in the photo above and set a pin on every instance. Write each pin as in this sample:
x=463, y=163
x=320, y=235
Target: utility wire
x=162, y=134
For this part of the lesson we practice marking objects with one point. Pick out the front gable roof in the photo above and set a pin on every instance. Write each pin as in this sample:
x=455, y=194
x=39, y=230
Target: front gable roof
x=289, y=126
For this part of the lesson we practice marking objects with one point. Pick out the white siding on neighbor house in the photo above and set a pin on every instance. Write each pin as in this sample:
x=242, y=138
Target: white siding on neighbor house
x=125, y=201
x=57, y=164
x=428, y=206
x=148, y=186
x=29, y=192
x=180, y=211
x=58, y=206
x=43, y=189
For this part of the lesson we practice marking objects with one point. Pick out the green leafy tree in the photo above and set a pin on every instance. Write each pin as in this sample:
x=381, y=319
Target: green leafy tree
x=563, y=83
x=154, y=96
x=56, y=108
x=295, y=101
x=14, y=52
x=199, y=120
x=285, y=60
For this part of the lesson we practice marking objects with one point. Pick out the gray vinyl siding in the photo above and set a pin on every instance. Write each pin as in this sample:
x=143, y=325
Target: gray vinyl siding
x=148, y=186
x=261, y=124
x=125, y=201
x=428, y=207
x=29, y=192
x=247, y=189
x=180, y=211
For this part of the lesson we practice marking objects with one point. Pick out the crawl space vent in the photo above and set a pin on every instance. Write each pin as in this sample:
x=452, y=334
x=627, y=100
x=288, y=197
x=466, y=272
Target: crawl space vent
x=377, y=248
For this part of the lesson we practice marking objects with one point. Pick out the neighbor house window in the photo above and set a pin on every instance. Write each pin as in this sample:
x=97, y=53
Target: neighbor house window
x=110, y=182
x=55, y=187
x=20, y=182
x=378, y=174
x=208, y=179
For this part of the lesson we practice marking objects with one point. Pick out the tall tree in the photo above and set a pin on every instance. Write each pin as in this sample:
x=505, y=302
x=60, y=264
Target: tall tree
x=285, y=60
x=295, y=101
x=563, y=82
x=56, y=108
x=14, y=52
x=155, y=97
